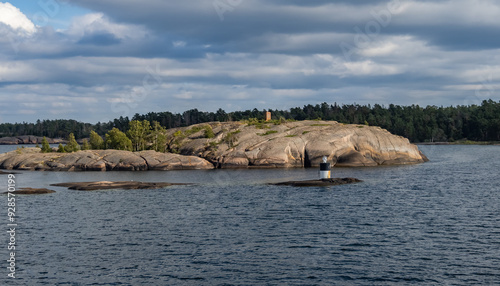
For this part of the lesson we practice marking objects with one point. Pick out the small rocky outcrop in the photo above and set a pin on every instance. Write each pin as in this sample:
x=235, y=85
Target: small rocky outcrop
x=106, y=185
x=294, y=144
x=7, y=173
x=320, y=183
x=31, y=191
x=99, y=160
x=168, y=161
x=28, y=139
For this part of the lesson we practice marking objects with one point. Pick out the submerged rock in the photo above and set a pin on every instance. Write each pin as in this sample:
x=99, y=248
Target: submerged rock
x=106, y=185
x=31, y=191
x=320, y=183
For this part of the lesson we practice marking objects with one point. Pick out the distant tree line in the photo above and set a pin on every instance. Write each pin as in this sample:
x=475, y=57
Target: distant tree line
x=419, y=124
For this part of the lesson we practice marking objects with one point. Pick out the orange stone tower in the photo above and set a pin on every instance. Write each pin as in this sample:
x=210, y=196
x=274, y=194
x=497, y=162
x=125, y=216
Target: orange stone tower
x=268, y=115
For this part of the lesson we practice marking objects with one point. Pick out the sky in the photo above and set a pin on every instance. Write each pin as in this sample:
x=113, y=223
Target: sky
x=96, y=60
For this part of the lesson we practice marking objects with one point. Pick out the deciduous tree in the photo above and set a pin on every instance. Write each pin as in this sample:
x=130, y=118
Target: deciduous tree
x=138, y=134
x=158, y=137
x=115, y=139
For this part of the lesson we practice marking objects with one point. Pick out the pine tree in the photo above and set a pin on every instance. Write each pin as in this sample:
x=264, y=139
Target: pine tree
x=96, y=141
x=72, y=145
x=45, y=146
x=85, y=144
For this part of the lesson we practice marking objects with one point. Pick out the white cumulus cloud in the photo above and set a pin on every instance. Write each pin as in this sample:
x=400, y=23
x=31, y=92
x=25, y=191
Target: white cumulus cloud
x=14, y=18
x=95, y=23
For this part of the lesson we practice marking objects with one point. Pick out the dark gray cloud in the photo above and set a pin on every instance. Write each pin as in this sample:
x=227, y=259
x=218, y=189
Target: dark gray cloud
x=99, y=39
x=129, y=57
x=250, y=22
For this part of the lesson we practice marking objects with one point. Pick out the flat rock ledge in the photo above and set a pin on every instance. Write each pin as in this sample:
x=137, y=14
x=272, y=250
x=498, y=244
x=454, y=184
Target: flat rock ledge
x=106, y=185
x=320, y=183
x=31, y=191
x=31, y=159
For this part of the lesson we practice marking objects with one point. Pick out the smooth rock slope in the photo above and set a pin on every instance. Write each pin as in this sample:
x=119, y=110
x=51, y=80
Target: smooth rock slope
x=294, y=144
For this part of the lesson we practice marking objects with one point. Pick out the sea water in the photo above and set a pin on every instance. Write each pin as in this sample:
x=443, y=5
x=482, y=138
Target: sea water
x=436, y=223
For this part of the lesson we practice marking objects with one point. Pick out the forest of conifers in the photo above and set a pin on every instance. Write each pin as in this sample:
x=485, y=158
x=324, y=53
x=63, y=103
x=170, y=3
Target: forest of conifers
x=419, y=124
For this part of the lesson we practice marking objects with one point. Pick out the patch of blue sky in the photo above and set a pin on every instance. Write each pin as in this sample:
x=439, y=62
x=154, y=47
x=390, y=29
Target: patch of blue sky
x=57, y=14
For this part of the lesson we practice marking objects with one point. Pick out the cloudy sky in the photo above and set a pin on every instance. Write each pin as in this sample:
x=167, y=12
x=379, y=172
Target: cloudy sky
x=95, y=60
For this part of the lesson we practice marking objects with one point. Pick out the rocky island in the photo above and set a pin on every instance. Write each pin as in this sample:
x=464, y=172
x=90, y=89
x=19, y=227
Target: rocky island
x=31, y=191
x=294, y=144
x=238, y=145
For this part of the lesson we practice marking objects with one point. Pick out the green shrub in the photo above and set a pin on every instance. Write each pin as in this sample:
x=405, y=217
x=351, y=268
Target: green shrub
x=305, y=132
x=178, y=133
x=214, y=145
x=259, y=124
x=280, y=121
x=320, y=124
x=268, y=132
x=251, y=121
x=209, y=132
x=290, y=136
x=230, y=138
x=192, y=130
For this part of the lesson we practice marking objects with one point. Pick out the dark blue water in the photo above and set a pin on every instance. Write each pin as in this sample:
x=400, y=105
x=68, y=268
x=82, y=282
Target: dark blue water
x=430, y=224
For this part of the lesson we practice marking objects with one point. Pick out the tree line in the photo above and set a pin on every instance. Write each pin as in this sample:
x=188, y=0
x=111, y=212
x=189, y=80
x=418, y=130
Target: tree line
x=419, y=124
